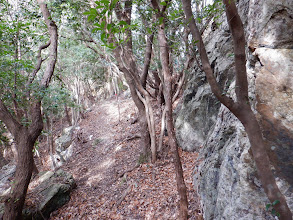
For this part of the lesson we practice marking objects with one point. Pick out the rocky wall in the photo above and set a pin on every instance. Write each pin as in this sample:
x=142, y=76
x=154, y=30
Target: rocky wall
x=227, y=179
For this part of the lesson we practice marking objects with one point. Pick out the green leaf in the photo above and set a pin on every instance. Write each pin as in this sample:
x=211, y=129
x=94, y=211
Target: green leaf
x=113, y=4
x=103, y=37
x=97, y=24
x=93, y=11
x=96, y=29
x=268, y=206
x=111, y=46
x=163, y=3
x=161, y=19
x=276, y=202
x=87, y=13
x=100, y=6
x=105, y=2
x=91, y=17
x=109, y=26
x=123, y=23
x=103, y=24
x=149, y=30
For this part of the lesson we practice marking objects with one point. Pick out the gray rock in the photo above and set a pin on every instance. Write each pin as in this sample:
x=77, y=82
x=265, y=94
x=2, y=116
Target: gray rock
x=6, y=172
x=199, y=108
x=272, y=24
x=53, y=191
x=274, y=88
x=48, y=192
x=227, y=180
x=63, y=142
x=64, y=147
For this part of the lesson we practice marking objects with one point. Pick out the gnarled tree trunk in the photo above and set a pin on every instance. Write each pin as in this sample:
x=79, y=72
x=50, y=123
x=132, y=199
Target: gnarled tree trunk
x=25, y=143
x=25, y=137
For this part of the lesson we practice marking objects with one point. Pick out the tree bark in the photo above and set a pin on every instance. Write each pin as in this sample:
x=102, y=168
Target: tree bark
x=14, y=203
x=262, y=163
x=25, y=137
x=181, y=187
x=147, y=59
x=241, y=108
x=164, y=56
x=144, y=128
x=127, y=65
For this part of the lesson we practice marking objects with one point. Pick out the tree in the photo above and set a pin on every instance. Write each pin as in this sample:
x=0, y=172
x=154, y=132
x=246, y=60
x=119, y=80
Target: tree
x=167, y=90
x=241, y=108
x=116, y=33
x=26, y=125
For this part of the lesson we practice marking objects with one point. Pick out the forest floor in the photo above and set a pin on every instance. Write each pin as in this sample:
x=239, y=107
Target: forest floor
x=105, y=148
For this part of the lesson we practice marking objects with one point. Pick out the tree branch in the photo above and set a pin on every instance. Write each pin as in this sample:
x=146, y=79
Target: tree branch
x=237, y=31
x=228, y=102
x=7, y=118
x=39, y=63
x=147, y=59
x=54, y=44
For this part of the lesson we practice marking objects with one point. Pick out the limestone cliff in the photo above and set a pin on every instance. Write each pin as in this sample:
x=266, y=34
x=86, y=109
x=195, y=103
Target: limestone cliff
x=227, y=179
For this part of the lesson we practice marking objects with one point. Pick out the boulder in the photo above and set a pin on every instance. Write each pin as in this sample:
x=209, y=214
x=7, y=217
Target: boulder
x=46, y=193
x=6, y=173
x=64, y=147
x=63, y=142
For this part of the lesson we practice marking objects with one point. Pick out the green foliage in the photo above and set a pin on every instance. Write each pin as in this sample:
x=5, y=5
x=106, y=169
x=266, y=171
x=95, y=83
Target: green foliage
x=20, y=36
x=270, y=207
x=111, y=32
x=54, y=100
x=215, y=10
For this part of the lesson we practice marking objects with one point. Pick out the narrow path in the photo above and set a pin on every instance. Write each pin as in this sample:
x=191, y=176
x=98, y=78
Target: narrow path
x=102, y=154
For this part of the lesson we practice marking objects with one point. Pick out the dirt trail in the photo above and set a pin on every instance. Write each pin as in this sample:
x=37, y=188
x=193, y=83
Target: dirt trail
x=102, y=153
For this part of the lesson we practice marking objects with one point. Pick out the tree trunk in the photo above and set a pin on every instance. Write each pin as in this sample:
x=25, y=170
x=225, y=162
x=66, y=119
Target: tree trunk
x=241, y=108
x=181, y=187
x=25, y=137
x=262, y=162
x=127, y=64
x=15, y=201
x=164, y=56
x=50, y=139
x=144, y=129
x=147, y=60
